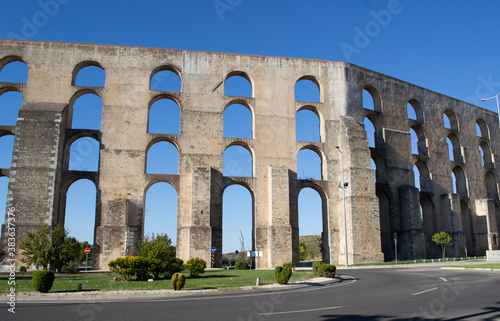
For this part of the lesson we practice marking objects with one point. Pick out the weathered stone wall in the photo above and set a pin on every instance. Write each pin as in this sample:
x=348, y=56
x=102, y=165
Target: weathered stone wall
x=39, y=176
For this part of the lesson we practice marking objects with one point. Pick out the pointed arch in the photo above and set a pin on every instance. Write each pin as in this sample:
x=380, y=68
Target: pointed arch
x=381, y=167
x=424, y=182
x=307, y=88
x=482, y=129
x=414, y=111
x=454, y=148
x=237, y=83
x=86, y=110
x=491, y=185
x=460, y=185
x=166, y=78
x=371, y=132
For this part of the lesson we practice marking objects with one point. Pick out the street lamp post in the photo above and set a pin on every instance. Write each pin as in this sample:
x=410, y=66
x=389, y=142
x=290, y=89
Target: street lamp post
x=498, y=105
x=343, y=186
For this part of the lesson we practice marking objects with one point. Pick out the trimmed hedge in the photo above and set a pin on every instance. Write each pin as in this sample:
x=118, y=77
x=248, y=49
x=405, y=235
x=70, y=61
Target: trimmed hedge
x=43, y=280
x=178, y=281
x=196, y=266
x=283, y=273
x=326, y=270
x=241, y=265
x=130, y=268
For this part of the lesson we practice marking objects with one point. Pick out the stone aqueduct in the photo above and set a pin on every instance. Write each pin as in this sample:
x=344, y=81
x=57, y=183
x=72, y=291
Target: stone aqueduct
x=376, y=205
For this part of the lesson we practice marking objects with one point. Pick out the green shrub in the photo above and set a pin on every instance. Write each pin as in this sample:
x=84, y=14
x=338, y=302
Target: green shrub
x=241, y=265
x=326, y=270
x=130, y=268
x=178, y=281
x=23, y=269
x=196, y=266
x=162, y=256
x=283, y=273
x=43, y=280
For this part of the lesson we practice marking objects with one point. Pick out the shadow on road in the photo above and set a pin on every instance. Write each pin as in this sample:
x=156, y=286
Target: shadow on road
x=487, y=314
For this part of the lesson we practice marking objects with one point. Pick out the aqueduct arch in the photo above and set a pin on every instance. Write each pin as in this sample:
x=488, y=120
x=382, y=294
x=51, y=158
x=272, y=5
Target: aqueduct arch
x=39, y=174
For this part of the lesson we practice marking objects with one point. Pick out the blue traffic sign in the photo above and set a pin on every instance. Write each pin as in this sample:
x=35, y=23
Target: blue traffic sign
x=213, y=250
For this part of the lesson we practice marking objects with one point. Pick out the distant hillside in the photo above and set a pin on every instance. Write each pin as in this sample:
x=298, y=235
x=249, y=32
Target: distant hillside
x=312, y=247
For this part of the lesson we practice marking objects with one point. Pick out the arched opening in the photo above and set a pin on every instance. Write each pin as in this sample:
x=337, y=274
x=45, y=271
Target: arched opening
x=91, y=76
x=454, y=148
x=87, y=112
x=422, y=176
x=164, y=117
x=311, y=225
x=370, y=132
x=378, y=164
x=428, y=225
x=237, y=220
x=10, y=102
x=84, y=155
x=486, y=157
x=482, y=129
x=238, y=84
x=15, y=71
x=386, y=227
x=371, y=99
x=309, y=164
x=80, y=211
x=416, y=177
x=307, y=126
x=165, y=79
x=460, y=182
x=467, y=229
x=238, y=121
x=160, y=214
x=307, y=89
x=414, y=141
x=162, y=158
x=374, y=169
x=237, y=162
x=450, y=120
x=6, y=148
x=4, y=187
x=491, y=185
x=414, y=110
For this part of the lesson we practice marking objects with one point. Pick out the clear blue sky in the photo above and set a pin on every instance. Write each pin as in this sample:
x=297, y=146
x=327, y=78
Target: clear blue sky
x=452, y=47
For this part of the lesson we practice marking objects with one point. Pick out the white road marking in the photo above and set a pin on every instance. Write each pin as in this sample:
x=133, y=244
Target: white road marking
x=300, y=311
x=443, y=279
x=425, y=291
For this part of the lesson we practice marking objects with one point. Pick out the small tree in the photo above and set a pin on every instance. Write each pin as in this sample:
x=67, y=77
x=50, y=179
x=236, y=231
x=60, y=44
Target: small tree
x=196, y=266
x=162, y=256
x=443, y=239
x=302, y=251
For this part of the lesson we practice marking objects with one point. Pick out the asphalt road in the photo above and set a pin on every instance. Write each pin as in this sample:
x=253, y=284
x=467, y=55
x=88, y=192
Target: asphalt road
x=364, y=294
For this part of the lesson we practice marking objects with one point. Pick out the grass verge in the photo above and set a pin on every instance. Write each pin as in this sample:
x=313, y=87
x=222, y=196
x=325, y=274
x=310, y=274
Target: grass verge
x=481, y=266
x=212, y=279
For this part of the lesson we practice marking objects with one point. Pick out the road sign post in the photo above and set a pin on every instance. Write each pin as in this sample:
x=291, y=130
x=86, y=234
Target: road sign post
x=86, y=251
x=396, y=246
x=213, y=250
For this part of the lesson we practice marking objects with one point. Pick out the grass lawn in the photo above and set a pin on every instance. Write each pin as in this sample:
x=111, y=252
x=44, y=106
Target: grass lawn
x=482, y=266
x=104, y=281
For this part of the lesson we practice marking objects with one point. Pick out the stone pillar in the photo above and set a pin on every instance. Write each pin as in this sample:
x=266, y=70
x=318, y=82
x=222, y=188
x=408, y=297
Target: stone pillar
x=485, y=211
x=411, y=243
x=279, y=233
x=200, y=231
x=457, y=230
x=33, y=177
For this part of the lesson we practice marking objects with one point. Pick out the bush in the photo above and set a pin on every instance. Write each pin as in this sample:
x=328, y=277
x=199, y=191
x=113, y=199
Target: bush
x=196, y=266
x=283, y=273
x=130, y=268
x=326, y=270
x=241, y=265
x=178, y=281
x=162, y=256
x=23, y=269
x=43, y=280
